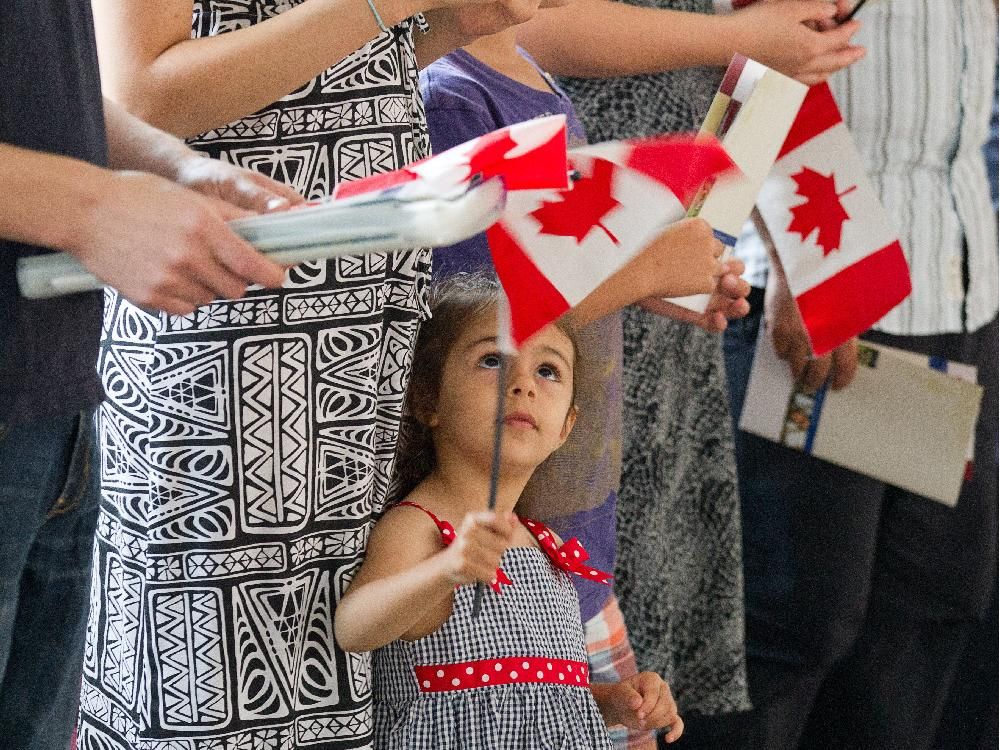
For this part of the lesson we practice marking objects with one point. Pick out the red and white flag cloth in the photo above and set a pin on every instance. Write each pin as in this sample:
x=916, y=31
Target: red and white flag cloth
x=528, y=156
x=843, y=261
x=552, y=248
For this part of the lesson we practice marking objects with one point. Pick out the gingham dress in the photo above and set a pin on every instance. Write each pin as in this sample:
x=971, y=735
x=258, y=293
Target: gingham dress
x=516, y=677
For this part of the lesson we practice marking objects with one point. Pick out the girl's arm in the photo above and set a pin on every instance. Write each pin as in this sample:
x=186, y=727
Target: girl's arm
x=404, y=587
x=150, y=63
x=603, y=38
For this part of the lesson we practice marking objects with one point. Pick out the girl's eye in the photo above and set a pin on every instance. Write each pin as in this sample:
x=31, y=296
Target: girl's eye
x=490, y=361
x=549, y=372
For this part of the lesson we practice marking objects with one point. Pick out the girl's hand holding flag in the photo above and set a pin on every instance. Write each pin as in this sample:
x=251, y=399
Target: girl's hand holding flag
x=479, y=544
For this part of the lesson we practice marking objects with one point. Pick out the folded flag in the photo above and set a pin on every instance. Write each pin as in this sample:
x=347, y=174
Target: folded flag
x=528, y=156
x=843, y=261
x=552, y=248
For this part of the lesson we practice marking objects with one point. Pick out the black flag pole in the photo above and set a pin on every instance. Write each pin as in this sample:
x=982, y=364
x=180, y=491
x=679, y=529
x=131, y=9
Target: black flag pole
x=491, y=504
x=503, y=325
x=854, y=12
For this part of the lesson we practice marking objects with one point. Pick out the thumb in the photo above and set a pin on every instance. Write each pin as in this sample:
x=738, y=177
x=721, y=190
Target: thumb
x=630, y=697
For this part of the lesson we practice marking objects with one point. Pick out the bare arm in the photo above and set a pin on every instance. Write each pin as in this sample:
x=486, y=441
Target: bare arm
x=136, y=145
x=404, y=587
x=602, y=38
x=150, y=63
x=683, y=260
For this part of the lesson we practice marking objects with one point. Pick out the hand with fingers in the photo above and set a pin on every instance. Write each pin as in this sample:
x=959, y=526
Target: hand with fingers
x=683, y=260
x=642, y=701
x=479, y=544
x=727, y=302
x=167, y=247
x=243, y=188
x=800, y=38
x=791, y=343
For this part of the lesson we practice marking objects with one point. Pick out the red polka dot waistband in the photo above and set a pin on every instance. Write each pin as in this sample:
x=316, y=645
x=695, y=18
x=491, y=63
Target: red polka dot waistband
x=442, y=678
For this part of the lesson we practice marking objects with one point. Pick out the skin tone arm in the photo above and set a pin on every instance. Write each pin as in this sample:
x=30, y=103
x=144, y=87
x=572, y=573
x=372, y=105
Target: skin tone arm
x=602, y=38
x=682, y=261
x=150, y=63
x=115, y=222
x=401, y=587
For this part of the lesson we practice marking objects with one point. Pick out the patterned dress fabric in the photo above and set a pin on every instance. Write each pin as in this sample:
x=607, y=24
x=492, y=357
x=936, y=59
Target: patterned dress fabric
x=246, y=448
x=678, y=577
x=531, y=628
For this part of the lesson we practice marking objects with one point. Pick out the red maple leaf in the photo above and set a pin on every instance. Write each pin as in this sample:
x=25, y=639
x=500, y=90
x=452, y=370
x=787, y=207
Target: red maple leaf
x=582, y=207
x=821, y=210
x=490, y=153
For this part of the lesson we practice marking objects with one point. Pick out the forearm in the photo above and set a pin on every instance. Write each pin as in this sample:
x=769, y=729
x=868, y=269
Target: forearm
x=136, y=145
x=378, y=612
x=604, y=698
x=192, y=85
x=47, y=197
x=602, y=39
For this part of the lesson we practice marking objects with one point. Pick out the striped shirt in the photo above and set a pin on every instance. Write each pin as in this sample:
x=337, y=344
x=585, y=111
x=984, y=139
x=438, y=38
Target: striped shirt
x=919, y=107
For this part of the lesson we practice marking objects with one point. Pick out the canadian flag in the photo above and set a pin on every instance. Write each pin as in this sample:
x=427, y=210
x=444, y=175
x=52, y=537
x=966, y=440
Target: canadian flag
x=843, y=261
x=552, y=248
x=528, y=156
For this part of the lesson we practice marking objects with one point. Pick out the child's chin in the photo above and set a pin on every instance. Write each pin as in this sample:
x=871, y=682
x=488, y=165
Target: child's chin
x=520, y=454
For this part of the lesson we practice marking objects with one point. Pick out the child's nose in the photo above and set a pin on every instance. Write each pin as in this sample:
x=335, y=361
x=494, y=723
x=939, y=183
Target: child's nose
x=521, y=382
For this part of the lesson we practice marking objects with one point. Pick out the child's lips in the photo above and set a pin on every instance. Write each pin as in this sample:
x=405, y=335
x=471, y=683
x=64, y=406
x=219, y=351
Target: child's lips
x=520, y=419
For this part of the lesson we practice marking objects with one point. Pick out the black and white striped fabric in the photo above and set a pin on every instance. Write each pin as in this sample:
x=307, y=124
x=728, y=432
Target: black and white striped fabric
x=537, y=616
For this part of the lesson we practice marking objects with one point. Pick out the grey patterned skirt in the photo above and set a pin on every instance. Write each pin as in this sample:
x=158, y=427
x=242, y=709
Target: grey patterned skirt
x=679, y=569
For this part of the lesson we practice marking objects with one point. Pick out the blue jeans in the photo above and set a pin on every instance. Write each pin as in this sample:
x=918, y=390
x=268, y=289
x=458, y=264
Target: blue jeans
x=49, y=491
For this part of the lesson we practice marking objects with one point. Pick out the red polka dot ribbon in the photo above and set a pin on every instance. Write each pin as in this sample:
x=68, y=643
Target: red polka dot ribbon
x=443, y=678
x=570, y=557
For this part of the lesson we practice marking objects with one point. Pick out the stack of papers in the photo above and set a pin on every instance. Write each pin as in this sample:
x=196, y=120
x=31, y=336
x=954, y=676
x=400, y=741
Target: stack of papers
x=400, y=218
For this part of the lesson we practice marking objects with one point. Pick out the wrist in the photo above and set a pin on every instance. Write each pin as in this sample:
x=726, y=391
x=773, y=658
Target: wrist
x=79, y=229
x=729, y=37
x=393, y=12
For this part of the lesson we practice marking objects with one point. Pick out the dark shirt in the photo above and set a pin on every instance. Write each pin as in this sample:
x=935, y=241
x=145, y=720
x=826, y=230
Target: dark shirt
x=50, y=100
x=574, y=491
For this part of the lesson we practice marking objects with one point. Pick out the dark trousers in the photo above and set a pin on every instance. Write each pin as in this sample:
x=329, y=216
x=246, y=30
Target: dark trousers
x=48, y=513
x=860, y=597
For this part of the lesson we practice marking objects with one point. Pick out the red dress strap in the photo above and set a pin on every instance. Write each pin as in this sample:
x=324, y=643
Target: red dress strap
x=447, y=532
x=446, y=529
x=570, y=556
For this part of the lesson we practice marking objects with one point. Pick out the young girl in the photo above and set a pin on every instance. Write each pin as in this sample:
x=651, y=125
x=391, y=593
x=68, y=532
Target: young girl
x=517, y=676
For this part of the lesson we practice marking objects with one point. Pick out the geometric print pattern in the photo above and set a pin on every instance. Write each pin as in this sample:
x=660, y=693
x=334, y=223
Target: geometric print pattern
x=246, y=448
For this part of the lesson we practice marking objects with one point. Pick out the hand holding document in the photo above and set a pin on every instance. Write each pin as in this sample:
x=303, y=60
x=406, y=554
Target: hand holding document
x=751, y=114
x=905, y=419
x=440, y=200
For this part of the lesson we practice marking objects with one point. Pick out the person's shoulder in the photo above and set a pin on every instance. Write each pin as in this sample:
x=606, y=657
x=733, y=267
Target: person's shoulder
x=455, y=82
x=409, y=524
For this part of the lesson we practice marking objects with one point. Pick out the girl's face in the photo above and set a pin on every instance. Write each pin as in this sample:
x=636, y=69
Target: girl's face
x=538, y=409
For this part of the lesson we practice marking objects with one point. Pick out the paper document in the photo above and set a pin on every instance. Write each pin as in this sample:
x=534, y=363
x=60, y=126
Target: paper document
x=751, y=114
x=906, y=419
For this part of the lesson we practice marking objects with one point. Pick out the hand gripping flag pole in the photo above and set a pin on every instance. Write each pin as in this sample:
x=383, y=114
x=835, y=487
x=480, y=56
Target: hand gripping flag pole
x=506, y=352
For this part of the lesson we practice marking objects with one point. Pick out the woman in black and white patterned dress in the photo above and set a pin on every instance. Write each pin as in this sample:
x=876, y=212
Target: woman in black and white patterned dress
x=247, y=446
